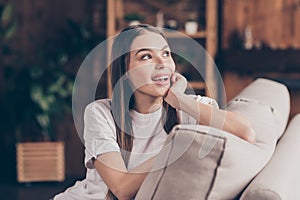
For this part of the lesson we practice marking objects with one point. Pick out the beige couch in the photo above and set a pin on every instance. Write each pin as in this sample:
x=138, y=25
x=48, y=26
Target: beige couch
x=200, y=162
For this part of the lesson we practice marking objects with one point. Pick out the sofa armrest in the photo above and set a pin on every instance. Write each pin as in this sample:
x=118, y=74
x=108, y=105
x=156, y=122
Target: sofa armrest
x=280, y=178
x=274, y=95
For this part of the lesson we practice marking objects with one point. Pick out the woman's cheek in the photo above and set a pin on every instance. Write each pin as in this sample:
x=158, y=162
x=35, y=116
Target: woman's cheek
x=139, y=76
x=173, y=67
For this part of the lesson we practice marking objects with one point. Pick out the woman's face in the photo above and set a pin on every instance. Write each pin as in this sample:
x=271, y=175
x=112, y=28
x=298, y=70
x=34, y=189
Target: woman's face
x=150, y=65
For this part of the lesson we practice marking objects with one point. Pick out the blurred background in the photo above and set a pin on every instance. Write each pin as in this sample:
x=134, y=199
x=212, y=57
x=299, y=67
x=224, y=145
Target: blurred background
x=43, y=44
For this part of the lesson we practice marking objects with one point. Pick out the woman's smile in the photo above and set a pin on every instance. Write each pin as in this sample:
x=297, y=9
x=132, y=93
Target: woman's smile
x=161, y=79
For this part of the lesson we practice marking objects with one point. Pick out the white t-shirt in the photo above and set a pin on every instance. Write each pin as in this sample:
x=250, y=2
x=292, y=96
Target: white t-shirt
x=100, y=137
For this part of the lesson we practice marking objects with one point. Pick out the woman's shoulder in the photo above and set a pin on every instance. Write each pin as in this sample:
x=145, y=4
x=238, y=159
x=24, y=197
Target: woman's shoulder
x=100, y=105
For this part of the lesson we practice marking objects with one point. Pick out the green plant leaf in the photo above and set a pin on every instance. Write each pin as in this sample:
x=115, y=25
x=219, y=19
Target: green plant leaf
x=11, y=31
x=50, y=99
x=42, y=100
x=36, y=72
x=69, y=87
x=36, y=93
x=84, y=32
x=57, y=85
x=7, y=14
x=63, y=59
x=43, y=120
x=63, y=93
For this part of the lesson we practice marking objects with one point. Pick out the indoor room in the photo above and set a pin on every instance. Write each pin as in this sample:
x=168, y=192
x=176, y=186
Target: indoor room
x=223, y=74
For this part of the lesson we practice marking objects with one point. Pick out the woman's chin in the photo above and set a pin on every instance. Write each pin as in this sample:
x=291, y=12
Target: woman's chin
x=162, y=92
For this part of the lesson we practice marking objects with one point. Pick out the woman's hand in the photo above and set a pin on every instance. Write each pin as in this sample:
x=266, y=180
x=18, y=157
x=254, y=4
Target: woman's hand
x=176, y=91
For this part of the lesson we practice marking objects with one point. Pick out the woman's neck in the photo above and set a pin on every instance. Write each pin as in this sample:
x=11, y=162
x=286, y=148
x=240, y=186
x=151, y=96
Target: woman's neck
x=146, y=104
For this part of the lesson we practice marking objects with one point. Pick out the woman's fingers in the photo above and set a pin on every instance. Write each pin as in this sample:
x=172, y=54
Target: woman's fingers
x=178, y=86
x=179, y=83
x=173, y=78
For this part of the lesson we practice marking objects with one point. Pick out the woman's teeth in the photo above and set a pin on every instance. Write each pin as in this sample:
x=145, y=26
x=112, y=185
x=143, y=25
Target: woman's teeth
x=160, y=78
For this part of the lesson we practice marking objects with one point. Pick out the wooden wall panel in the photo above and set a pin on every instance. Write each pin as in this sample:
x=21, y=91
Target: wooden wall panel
x=296, y=42
x=273, y=22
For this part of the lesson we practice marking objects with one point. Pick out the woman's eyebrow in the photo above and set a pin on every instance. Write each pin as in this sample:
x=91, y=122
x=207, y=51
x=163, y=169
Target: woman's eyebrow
x=144, y=49
x=149, y=49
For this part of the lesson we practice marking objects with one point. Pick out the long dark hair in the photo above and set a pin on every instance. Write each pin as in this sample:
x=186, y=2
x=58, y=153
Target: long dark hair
x=122, y=96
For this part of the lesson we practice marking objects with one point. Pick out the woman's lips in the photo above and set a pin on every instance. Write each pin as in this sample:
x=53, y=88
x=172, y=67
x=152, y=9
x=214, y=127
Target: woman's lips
x=161, y=79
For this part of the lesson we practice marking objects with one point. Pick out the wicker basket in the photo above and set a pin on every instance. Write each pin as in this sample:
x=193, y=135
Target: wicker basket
x=40, y=161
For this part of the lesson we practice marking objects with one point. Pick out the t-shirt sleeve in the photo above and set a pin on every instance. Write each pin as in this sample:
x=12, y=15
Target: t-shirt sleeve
x=186, y=118
x=207, y=100
x=99, y=132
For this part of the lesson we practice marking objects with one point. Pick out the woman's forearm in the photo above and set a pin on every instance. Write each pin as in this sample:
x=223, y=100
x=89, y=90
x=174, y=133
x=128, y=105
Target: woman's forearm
x=124, y=184
x=133, y=179
x=225, y=120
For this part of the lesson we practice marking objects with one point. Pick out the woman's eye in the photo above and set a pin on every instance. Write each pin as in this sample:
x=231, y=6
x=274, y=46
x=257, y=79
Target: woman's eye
x=146, y=57
x=166, y=54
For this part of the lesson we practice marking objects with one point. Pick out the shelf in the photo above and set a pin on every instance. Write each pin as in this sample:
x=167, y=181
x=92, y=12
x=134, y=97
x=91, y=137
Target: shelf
x=206, y=37
x=174, y=34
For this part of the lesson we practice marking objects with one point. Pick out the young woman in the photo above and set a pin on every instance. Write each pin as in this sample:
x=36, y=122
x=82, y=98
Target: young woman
x=123, y=135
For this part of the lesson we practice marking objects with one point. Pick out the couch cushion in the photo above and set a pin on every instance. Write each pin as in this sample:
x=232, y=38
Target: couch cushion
x=180, y=170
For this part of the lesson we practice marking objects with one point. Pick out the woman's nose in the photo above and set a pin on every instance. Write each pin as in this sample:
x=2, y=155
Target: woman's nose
x=159, y=66
x=160, y=63
x=159, y=59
